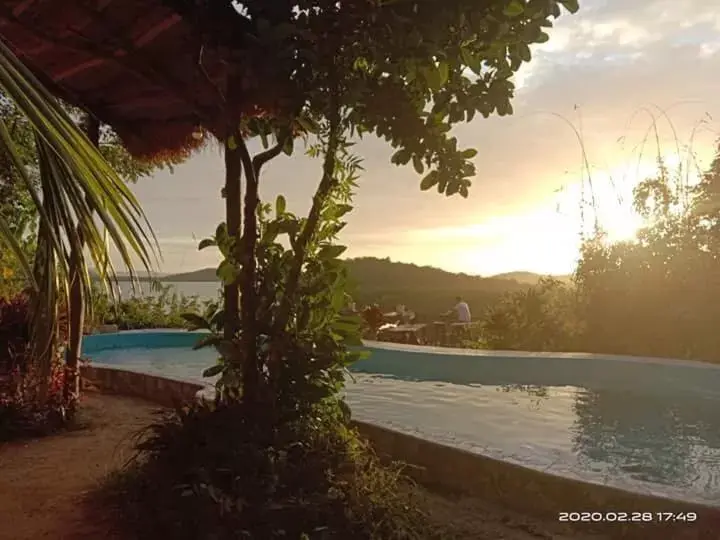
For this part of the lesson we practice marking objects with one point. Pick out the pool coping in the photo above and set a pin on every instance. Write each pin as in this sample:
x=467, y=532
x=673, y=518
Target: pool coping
x=455, y=470
x=500, y=354
x=483, y=353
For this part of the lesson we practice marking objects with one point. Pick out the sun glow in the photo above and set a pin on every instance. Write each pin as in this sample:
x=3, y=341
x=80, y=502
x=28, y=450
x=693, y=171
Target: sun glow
x=605, y=198
x=544, y=238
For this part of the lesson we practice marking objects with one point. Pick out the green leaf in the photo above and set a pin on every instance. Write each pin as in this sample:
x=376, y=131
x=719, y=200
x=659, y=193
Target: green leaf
x=432, y=77
x=280, y=205
x=331, y=252
x=77, y=193
x=504, y=108
x=401, y=157
x=471, y=60
x=195, y=320
x=524, y=52
x=542, y=38
x=221, y=232
x=338, y=300
x=514, y=8
x=207, y=342
x=361, y=64
x=289, y=146
x=418, y=164
x=206, y=242
x=430, y=180
x=213, y=370
x=232, y=143
x=444, y=72
x=571, y=5
x=343, y=209
x=307, y=124
x=469, y=153
x=226, y=272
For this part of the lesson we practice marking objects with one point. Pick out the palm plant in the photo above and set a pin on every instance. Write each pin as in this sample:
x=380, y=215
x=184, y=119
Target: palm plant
x=78, y=198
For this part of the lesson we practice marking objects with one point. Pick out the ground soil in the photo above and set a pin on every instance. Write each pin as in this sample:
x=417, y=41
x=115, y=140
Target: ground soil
x=47, y=485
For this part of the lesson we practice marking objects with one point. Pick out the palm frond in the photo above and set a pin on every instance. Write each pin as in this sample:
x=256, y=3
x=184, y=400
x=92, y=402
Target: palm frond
x=83, y=187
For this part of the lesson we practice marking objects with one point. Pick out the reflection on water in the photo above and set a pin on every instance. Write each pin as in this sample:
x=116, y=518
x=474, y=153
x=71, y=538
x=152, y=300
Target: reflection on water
x=654, y=439
x=652, y=442
x=638, y=441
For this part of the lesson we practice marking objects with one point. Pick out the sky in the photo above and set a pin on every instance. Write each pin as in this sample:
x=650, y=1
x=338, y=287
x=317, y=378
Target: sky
x=628, y=79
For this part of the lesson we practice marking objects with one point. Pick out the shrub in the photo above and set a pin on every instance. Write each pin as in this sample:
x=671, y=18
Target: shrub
x=164, y=309
x=541, y=318
x=14, y=332
x=31, y=402
x=206, y=474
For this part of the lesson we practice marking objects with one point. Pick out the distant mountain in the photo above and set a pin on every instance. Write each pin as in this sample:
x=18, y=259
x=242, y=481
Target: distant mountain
x=205, y=275
x=529, y=278
x=124, y=276
x=426, y=290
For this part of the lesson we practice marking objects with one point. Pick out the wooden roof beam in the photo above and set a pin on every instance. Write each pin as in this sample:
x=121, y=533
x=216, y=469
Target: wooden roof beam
x=168, y=82
x=144, y=70
x=156, y=30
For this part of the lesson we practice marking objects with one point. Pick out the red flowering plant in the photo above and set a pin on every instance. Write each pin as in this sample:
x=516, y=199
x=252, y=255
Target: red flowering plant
x=31, y=398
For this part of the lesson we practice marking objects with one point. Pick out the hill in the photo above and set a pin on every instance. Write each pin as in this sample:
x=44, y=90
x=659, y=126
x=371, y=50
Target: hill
x=204, y=275
x=426, y=290
x=529, y=278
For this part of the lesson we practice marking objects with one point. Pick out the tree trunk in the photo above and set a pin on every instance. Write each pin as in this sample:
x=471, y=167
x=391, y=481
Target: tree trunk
x=248, y=291
x=44, y=320
x=76, y=299
x=233, y=218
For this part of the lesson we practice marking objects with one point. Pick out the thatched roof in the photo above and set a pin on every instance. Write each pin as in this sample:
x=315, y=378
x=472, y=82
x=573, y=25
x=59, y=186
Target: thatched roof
x=137, y=65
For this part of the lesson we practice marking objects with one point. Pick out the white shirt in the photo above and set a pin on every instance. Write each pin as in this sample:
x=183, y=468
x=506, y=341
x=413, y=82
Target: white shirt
x=463, y=312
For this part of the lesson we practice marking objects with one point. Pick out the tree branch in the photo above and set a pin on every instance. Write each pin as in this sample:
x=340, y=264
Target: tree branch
x=327, y=183
x=263, y=157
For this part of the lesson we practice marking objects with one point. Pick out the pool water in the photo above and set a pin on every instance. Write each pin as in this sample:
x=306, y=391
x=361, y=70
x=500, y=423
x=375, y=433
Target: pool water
x=640, y=440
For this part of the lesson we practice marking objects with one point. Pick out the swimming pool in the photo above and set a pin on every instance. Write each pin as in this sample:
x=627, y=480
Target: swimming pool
x=641, y=424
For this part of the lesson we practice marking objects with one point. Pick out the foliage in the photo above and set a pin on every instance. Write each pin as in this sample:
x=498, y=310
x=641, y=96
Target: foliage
x=291, y=468
x=16, y=202
x=406, y=71
x=654, y=296
x=163, y=309
x=322, y=291
x=76, y=169
x=540, y=318
x=22, y=411
x=14, y=331
x=205, y=475
x=75, y=193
